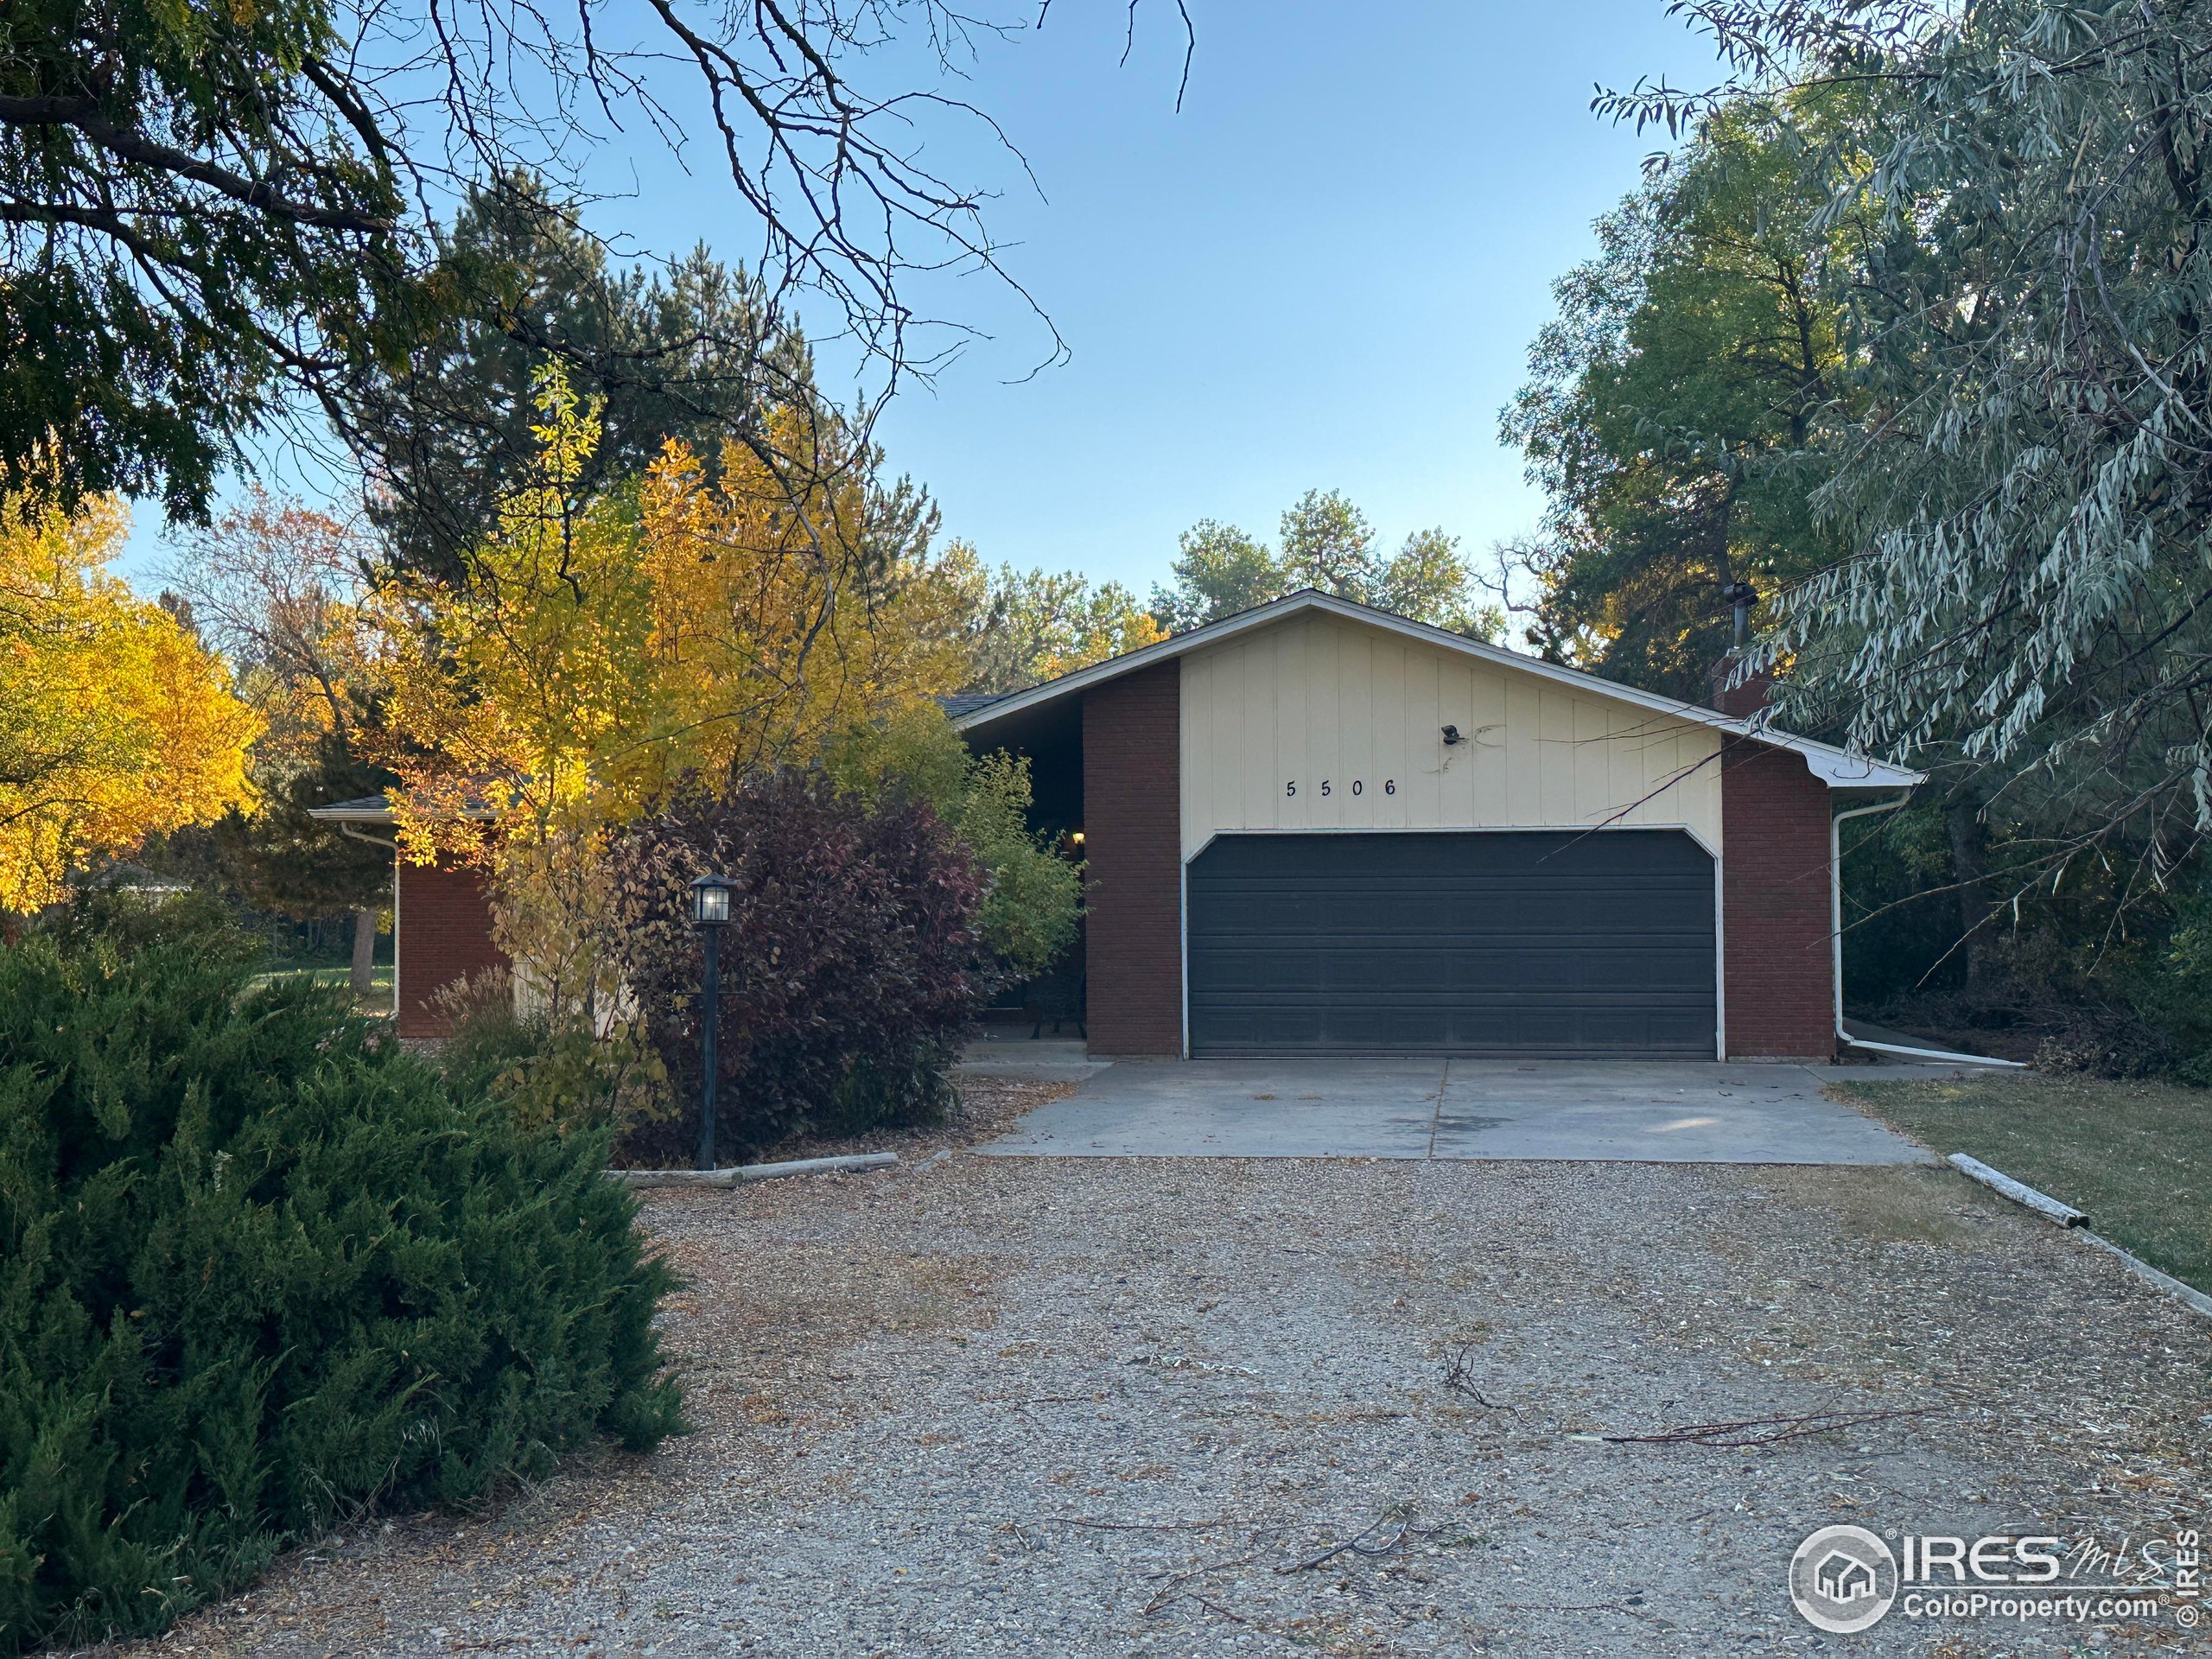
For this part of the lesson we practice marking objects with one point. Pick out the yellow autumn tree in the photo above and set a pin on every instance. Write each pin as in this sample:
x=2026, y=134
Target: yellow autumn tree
x=114, y=723
x=601, y=650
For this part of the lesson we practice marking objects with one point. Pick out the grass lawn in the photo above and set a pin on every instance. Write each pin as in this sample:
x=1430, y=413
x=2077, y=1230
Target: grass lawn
x=2136, y=1156
x=378, y=1000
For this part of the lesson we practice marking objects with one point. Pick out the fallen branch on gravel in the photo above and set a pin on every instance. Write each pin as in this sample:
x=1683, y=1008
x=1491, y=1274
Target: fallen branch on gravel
x=1765, y=1431
x=1215, y=1607
x=1173, y=1591
x=1359, y=1545
x=1458, y=1379
x=1147, y=1526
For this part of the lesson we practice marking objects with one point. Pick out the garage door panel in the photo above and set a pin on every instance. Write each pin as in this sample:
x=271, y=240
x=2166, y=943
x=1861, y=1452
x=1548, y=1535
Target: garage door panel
x=1521, y=944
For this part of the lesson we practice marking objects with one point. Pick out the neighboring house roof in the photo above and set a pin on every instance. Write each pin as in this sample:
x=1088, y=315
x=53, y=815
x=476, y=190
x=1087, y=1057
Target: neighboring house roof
x=369, y=809
x=134, y=878
x=1838, y=768
x=967, y=702
x=376, y=809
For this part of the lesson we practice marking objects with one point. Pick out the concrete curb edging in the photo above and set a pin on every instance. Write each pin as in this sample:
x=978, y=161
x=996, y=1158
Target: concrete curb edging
x=2019, y=1192
x=2149, y=1276
x=744, y=1174
x=2066, y=1215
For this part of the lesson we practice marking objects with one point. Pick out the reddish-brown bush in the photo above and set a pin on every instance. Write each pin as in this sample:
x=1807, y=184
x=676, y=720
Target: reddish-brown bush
x=851, y=966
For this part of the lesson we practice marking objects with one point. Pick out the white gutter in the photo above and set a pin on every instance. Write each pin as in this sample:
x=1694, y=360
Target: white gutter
x=1835, y=895
x=1835, y=938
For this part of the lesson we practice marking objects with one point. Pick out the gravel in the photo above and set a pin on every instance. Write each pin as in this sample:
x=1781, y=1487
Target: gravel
x=1089, y=1406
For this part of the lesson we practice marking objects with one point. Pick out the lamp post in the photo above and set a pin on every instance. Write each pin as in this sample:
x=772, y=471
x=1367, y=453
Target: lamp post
x=710, y=914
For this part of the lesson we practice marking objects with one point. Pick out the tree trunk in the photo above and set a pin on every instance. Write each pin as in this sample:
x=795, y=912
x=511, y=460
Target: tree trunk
x=1970, y=870
x=363, y=976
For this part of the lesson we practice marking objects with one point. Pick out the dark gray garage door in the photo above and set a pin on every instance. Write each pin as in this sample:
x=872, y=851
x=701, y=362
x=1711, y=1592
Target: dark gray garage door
x=1596, y=946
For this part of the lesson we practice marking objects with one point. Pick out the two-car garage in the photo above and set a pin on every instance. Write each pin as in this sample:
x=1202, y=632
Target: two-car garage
x=1315, y=829
x=1553, y=945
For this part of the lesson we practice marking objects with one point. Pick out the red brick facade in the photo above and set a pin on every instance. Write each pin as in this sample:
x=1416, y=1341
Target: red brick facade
x=445, y=934
x=1774, y=884
x=1132, y=813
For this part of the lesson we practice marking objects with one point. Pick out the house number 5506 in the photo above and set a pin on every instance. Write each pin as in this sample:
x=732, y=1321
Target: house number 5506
x=1328, y=786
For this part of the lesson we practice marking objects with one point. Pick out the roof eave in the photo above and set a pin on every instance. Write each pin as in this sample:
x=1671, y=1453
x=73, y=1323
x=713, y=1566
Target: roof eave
x=354, y=812
x=1837, y=768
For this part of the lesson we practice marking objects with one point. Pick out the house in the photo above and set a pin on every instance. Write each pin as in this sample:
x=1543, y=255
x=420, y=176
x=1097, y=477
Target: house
x=1844, y=1578
x=1314, y=828
x=441, y=919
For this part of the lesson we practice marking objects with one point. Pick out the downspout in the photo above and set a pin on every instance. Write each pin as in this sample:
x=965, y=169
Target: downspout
x=352, y=834
x=1835, y=939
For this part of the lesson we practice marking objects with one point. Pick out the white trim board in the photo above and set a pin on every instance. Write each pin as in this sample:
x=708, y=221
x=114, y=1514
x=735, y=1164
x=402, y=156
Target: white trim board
x=1213, y=836
x=1837, y=768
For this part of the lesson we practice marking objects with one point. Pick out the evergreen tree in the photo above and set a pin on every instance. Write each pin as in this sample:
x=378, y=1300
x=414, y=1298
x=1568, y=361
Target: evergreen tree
x=1328, y=544
x=265, y=1271
x=695, y=353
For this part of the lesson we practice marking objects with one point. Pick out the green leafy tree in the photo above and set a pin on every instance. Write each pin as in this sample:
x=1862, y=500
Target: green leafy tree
x=1032, y=896
x=1221, y=571
x=1679, y=405
x=187, y=222
x=1327, y=543
x=1429, y=579
x=1020, y=628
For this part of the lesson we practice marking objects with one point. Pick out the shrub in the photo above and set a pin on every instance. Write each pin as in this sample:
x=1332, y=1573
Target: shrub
x=849, y=969
x=1033, y=897
x=260, y=1271
x=546, y=1065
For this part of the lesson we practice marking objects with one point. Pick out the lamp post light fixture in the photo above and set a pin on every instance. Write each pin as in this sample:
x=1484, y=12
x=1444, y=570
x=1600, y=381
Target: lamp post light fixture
x=710, y=914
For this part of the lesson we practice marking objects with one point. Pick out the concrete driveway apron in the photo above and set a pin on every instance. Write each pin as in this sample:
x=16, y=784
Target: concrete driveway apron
x=1658, y=1111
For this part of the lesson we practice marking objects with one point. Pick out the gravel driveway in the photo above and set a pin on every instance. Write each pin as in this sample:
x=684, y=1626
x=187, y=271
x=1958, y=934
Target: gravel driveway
x=1097, y=1405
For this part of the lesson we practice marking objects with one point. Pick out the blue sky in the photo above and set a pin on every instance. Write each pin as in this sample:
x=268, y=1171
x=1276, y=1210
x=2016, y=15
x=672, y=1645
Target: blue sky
x=1324, y=272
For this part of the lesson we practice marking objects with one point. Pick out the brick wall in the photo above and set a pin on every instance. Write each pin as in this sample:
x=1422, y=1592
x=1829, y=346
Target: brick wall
x=445, y=934
x=1775, y=890
x=1747, y=698
x=1132, y=823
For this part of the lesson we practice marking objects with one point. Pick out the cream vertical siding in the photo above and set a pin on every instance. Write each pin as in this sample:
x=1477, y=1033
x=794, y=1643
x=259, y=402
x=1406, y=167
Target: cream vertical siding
x=1318, y=700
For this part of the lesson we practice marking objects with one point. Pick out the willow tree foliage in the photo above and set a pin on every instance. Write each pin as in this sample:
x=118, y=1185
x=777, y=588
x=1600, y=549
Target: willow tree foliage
x=2026, y=499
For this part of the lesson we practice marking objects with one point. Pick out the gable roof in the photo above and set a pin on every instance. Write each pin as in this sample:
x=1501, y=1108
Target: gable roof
x=1838, y=768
